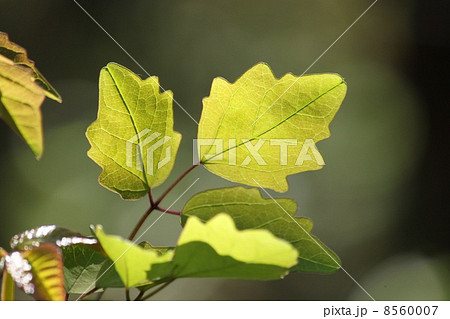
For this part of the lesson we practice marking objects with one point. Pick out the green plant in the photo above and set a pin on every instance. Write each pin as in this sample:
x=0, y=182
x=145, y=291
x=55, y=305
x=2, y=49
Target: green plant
x=255, y=132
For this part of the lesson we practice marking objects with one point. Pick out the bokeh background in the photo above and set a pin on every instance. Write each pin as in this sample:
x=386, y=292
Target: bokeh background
x=381, y=202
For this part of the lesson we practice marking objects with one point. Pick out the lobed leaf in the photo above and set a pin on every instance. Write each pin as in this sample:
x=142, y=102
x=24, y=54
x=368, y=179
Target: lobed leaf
x=259, y=129
x=218, y=249
x=250, y=210
x=133, y=138
x=212, y=249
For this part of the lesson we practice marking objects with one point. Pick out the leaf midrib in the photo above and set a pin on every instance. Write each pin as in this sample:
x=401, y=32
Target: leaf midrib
x=132, y=121
x=276, y=125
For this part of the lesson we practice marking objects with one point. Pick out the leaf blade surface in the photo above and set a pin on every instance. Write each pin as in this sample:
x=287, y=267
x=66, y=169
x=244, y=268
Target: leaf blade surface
x=261, y=124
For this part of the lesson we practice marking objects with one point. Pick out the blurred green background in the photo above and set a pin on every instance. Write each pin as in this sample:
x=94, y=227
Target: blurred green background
x=382, y=200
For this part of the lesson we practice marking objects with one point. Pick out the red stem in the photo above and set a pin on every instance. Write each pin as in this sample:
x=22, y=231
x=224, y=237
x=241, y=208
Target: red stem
x=169, y=211
x=155, y=204
x=158, y=201
x=141, y=222
x=150, y=197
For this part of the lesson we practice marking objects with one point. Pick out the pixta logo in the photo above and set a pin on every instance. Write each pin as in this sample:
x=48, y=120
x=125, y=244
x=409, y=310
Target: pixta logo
x=142, y=147
x=252, y=149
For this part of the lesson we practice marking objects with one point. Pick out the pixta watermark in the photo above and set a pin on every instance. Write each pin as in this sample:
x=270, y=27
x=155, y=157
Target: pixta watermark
x=141, y=148
x=276, y=151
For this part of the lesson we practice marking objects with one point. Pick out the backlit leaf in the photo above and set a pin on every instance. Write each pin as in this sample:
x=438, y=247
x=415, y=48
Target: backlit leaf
x=19, y=56
x=260, y=129
x=250, y=210
x=22, y=91
x=218, y=249
x=212, y=249
x=133, y=138
x=20, y=103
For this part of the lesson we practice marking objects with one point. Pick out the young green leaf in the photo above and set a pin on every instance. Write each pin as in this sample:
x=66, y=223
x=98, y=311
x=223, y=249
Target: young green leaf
x=250, y=210
x=260, y=129
x=218, y=249
x=133, y=138
x=19, y=56
x=135, y=265
x=20, y=103
x=212, y=249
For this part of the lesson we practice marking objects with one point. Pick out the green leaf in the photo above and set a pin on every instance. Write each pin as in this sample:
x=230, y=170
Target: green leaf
x=20, y=103
x=218, y=249
x=212, y=249
x=86, y=267
x=250, y=210
x=260, y=129
x=59, y=236
x=133, y=138
x=18, y=55
x=22, y=92
x=135, y=265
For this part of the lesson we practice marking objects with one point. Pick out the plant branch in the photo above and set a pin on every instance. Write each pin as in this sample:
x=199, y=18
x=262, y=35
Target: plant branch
x=139, y=297
x=159, y=200
x=154, y=292
x=150, y=197
x=148, y=287
x=141, y=222
x=155, y=204
x=169, y=211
